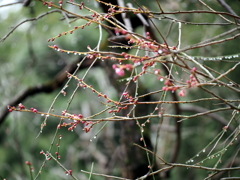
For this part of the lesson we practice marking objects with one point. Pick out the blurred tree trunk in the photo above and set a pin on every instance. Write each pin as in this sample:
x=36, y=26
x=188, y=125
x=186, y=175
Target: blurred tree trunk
x=133, y=160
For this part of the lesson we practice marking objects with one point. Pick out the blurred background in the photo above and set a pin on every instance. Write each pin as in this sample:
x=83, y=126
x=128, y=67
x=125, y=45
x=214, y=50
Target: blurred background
x=27, y=62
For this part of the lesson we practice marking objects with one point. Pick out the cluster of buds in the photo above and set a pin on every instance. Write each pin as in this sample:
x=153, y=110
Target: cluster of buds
x=57, y=154
x=30, y=165
x=46, y=155
x=192, y=80
x=119, y=69
x=20, y=107
x=182, y=93
x=69, y=172
x=169, y=86
x=81, y=5
x=118, y=109
x=76, y=120
x=33, y=110
x=152, y=46
x=88, y=126
x=120, y=31
x=49, y=4
x=129, y=98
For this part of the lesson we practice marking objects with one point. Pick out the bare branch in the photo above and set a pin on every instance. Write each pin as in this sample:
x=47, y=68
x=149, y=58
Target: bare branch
x=10, y=4
x=196, y=12
x=192, y=23
x=47, y=87
x=27, y=20
x=208, y=44
x=227, y=7
x=214, y=11
x=214, y=116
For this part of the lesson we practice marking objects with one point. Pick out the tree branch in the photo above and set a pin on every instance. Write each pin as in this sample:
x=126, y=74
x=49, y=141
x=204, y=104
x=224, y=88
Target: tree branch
x=47, y=87
x=10, y=4
x=214, y=116
x=27, y=20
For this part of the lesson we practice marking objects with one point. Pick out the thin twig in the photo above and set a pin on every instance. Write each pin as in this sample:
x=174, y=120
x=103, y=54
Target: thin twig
x=208, y=44
x=62, y=166
x=10, y=4
x=219, y=36
x=215, y=11
x=179, y=35
x=228, y=8
x=150, y=152
x=27, y=20
x=195, y=12
x=193, y=23
x=105, y=175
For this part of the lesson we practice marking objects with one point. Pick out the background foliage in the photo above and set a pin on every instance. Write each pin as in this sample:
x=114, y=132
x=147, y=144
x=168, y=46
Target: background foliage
x=27, y=61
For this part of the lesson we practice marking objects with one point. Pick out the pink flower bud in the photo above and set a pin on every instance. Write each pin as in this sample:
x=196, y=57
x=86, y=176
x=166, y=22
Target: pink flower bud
x=119, y=71
x=181, y=93
x=114, y=66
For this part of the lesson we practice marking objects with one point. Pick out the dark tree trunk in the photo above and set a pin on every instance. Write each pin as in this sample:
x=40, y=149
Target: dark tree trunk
x=133, y=160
